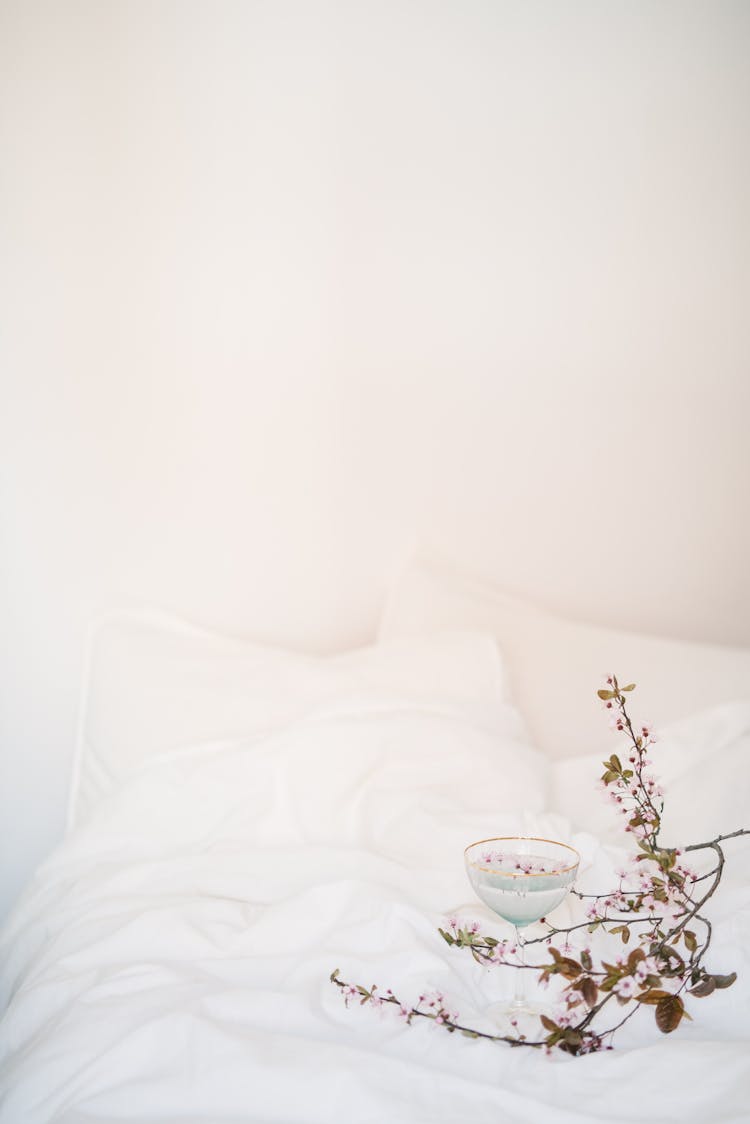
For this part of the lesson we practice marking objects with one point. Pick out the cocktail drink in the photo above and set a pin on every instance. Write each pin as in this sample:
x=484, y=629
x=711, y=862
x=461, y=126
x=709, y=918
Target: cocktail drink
x=521, y=879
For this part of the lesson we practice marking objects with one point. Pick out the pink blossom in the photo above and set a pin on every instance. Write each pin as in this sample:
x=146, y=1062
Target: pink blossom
x=671, y=913
x=625, y=987
x=646, y=967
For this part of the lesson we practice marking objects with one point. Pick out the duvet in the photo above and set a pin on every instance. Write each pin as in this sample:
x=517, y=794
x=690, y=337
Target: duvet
x=171, y=962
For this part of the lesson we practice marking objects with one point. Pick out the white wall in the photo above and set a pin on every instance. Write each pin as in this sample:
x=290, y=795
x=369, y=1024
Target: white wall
x=286, y=285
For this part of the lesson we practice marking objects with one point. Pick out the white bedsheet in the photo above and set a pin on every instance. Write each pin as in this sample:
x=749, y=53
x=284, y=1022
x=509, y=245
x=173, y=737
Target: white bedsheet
x=171, y=962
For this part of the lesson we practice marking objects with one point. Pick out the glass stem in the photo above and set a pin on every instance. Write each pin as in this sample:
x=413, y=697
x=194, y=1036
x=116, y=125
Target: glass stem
x=519, y=999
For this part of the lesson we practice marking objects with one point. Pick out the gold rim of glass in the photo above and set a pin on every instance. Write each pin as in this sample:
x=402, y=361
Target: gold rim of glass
x=521, y=873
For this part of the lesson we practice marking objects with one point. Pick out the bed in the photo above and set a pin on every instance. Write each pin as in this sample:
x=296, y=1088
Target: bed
x=244, y=820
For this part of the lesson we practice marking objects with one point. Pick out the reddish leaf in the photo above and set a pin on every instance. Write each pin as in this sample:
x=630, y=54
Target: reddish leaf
x=724, y=981
x=636, y=955
x=590, y=991
x=653, y=995
x=669, y=1012
x=705, y=987
x=570, y=969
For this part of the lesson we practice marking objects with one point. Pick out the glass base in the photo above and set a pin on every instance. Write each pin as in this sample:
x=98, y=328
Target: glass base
x=513, y=1019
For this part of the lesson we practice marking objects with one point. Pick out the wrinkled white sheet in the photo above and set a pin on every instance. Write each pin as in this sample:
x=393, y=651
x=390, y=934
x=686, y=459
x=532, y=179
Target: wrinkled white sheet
x=170, y=963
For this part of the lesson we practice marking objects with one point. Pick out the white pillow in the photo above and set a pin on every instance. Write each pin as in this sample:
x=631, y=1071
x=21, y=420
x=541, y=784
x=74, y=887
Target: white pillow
x=556, y=665
x=415, y=781
x=155, y=683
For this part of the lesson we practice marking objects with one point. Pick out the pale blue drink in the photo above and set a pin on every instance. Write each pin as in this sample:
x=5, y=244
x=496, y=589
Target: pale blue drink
x=521, y=879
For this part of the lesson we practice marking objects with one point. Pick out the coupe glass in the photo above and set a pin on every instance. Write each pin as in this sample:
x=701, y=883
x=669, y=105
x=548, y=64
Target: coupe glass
x=520, y=878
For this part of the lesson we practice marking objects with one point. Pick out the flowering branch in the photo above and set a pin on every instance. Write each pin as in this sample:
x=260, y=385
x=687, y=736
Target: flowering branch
x=654, y=903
